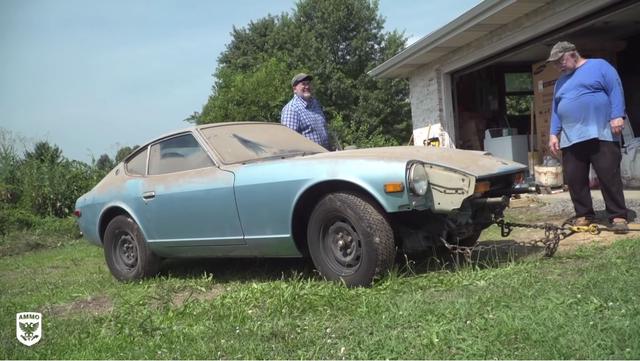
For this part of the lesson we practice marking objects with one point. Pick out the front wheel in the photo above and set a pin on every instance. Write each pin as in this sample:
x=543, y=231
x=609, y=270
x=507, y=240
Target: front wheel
x=126, y=251
x=470, y=240
x=350, y=240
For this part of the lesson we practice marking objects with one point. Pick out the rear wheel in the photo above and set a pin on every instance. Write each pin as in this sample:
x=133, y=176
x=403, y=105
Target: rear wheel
x=350, y=240
x=126, y=251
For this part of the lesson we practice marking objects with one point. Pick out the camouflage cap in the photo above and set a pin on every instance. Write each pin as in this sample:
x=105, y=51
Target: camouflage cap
x=299, y=78
x=560, y=49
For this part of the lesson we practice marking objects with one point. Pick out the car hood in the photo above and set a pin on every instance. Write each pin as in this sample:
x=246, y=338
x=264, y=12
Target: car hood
x=476, y=163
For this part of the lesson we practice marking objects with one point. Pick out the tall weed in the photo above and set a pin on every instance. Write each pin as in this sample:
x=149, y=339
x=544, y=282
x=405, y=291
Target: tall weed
x=41, y=182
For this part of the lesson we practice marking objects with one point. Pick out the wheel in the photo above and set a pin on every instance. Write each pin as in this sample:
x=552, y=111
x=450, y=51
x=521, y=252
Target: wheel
x=126, y=251
x=471, y=240
x=350, y=240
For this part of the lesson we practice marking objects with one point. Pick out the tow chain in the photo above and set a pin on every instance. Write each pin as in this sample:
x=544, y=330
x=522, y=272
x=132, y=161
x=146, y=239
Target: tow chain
x=553, y=234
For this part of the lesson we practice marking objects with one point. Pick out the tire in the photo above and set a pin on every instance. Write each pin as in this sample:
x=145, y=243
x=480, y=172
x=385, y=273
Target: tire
x=471, y=240
x=126, y=251
x=350, y=240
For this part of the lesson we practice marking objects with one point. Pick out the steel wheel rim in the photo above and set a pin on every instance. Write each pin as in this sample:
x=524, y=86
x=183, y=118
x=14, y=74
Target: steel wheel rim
x=341, y=247
x=126, y=252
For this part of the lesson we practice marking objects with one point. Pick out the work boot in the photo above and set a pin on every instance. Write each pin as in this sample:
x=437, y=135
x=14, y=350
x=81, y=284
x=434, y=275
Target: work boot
x=619, y=226
x=582, y=222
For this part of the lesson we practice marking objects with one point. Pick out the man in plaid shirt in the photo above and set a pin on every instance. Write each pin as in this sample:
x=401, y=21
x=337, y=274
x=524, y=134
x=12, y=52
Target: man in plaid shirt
x=303, y=112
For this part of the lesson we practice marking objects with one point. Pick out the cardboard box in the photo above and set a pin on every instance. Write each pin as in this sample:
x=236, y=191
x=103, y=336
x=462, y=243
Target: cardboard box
x=544, y=80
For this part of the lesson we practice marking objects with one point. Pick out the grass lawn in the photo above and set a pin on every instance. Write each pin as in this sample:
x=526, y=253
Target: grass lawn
x=584, y=304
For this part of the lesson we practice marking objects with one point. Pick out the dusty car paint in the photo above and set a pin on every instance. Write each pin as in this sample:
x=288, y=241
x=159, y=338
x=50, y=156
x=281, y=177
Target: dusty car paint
x=253, y=208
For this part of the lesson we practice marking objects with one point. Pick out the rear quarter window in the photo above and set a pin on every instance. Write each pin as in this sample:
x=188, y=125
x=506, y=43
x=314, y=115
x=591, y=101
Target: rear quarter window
x=138, y=164
x=177, y=154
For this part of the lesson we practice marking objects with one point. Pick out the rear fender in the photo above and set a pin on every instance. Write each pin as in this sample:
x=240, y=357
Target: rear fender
x=112, y=210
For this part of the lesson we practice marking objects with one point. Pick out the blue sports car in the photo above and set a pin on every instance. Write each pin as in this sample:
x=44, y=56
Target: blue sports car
x=254, y=189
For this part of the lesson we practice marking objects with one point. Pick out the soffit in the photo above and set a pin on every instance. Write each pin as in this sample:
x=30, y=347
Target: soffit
x=474, y=24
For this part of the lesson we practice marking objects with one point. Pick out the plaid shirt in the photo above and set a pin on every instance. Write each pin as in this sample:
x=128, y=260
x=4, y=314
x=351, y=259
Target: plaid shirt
x=307, y=119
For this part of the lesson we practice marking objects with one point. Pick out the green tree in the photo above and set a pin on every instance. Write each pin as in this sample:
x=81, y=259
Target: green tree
x=9, y=162
x=257, y=95
x=45, y=153
x=104, y=163
x=338, y=41
x=124, y=152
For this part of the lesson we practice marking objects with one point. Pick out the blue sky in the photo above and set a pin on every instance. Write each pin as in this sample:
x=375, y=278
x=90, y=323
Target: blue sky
x=92, y=76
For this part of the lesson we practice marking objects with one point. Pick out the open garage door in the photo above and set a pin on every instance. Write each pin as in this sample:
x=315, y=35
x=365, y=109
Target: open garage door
x=511, y=90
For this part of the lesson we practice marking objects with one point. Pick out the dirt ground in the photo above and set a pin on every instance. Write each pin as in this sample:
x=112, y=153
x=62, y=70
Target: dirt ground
x=556, y=209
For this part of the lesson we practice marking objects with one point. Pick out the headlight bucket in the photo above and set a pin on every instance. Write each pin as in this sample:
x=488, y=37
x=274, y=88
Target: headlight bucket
x=417, y=179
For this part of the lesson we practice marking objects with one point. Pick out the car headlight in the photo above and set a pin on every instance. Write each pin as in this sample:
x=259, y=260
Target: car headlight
x=418, y=180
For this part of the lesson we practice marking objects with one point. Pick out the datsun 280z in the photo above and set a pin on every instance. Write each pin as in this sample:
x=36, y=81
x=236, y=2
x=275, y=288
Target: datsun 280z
x=254, y=189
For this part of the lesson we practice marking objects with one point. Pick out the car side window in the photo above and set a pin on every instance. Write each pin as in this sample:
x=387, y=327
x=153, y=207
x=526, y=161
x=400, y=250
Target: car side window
x=177, y=154
x=138, y=164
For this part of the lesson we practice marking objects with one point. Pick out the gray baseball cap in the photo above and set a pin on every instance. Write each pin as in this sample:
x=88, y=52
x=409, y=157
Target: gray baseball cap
x=300, y=77
x=560, y=49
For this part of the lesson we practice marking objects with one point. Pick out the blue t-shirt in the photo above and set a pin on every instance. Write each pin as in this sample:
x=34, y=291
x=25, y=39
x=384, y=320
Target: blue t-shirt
x=585, y=101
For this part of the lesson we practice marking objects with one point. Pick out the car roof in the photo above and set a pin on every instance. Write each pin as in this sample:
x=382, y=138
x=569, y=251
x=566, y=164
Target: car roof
x=189, y=129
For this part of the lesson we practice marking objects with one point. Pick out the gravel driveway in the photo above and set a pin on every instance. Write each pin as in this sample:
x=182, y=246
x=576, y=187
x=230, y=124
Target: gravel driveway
x=559, y=205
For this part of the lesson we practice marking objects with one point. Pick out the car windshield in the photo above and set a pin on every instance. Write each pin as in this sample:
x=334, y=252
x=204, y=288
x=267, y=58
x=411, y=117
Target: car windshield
x=246, y=142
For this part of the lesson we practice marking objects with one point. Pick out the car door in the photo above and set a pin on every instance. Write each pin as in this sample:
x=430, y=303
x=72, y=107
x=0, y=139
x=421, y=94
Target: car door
x=190, y=201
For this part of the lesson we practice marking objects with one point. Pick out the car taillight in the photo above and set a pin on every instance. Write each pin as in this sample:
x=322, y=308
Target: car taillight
x=77, y=213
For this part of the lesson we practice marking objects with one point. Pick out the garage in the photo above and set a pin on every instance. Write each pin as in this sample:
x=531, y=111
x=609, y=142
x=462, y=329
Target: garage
x=484, y=79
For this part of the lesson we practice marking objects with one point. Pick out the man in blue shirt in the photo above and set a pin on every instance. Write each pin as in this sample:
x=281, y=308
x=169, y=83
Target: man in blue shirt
x=303, y=112
x=587, y=117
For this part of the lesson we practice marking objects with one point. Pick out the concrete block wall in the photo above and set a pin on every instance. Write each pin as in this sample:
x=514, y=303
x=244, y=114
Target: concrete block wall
x=425, y=94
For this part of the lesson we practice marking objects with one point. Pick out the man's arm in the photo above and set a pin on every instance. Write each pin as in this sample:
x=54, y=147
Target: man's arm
x=289, y=118
x=613, y=87
x=555, y=127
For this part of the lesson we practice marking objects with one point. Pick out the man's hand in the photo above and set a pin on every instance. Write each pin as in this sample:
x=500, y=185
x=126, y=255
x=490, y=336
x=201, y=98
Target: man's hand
x=617, y=125
x=554, y=144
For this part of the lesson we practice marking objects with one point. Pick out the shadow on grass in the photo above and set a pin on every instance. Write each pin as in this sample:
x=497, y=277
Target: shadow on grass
x=488, y=254
x=241, y=269
x=224, y=270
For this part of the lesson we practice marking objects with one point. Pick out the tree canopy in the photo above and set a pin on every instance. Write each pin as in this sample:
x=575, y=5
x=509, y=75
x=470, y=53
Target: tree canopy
x=338, y=41
x=45, y=153
x=104, y=163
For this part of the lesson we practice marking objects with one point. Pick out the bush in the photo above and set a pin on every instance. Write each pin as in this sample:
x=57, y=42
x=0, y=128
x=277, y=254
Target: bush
x=67, y=227
x=52, y=189
x=15, y=219
x=40, y=185
x=22, y=231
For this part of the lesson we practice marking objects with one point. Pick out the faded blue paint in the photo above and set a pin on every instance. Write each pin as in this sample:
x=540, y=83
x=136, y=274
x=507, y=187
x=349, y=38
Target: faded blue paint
x=247, y=209
x=195, y=207
x=273, y=246
x=267, y=192
x=88, y=223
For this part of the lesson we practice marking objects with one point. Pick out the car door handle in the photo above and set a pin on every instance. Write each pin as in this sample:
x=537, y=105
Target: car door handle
x=148, y=195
